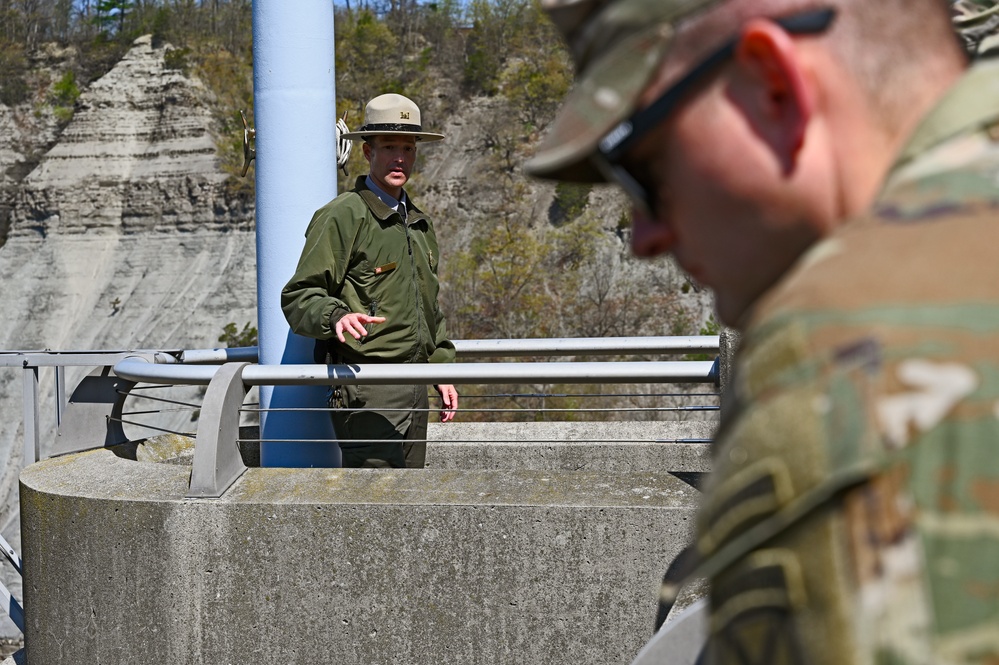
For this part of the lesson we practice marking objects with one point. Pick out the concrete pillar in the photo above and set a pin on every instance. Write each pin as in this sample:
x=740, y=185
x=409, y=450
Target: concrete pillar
x=294, y=114
x=344, y=565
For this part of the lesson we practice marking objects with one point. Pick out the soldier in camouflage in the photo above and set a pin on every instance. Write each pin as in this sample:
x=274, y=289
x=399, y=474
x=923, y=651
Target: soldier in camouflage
x=831, y=170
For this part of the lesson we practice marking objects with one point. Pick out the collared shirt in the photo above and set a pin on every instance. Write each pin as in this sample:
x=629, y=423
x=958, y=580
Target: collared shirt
x=399, y=205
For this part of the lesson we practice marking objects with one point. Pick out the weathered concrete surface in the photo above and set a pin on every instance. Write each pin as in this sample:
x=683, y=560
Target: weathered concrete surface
x=610, y=447
x=343, y=566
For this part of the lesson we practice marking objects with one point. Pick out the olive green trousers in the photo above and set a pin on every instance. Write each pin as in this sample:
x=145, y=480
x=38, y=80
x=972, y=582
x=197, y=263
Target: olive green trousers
x=382, y=426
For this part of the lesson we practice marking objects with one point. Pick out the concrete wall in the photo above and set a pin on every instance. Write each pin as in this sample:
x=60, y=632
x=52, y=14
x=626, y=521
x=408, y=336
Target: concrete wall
x=676, y=446
x=514, y=565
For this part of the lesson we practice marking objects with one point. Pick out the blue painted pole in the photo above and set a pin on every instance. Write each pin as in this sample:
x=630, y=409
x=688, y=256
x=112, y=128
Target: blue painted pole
x=294, y=99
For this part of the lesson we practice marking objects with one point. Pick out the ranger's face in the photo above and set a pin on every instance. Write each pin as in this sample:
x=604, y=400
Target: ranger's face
x=391, y=160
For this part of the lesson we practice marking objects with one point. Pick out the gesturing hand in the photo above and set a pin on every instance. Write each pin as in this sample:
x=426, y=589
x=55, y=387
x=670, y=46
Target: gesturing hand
x=354, y=324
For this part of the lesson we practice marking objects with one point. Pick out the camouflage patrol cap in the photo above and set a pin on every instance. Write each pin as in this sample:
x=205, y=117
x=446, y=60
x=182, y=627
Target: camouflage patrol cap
x=617, y=46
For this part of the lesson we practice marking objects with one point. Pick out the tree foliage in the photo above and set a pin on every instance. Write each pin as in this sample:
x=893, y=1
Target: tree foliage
x=512, y=270
x=234, y=338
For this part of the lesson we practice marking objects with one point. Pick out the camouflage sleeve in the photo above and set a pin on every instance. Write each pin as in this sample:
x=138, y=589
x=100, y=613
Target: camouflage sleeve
x=853, y=512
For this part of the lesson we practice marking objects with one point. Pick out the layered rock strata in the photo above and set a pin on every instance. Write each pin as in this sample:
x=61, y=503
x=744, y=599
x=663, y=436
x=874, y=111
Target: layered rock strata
x=138, y=156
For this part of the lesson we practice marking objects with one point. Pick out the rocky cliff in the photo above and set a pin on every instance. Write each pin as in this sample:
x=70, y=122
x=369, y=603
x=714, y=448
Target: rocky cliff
x=137, y=157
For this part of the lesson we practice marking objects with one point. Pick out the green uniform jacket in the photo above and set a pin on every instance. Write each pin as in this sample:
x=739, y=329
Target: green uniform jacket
x=360, y=256
x=853, y=512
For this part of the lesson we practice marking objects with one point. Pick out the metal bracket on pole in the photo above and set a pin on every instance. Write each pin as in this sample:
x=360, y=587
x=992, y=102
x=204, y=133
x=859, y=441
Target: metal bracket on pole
x=217, y=462
x=249, y=153
x=11, y=555
x=93, y=415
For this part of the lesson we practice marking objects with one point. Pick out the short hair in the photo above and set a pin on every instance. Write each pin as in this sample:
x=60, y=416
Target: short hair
x=887, y=45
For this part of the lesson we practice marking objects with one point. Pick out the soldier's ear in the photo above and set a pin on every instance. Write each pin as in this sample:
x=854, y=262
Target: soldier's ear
x=771, y=86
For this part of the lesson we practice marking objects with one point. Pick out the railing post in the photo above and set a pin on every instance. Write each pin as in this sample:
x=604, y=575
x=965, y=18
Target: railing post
x=60, y=393
x=31, y=426
x=92, y=418
x=217, y=462
x=728, y=346
x=12, y=607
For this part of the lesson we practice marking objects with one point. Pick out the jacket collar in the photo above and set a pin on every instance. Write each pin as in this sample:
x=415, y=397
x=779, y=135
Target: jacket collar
x=379, y=208
x=970, y=105
x=946, y=164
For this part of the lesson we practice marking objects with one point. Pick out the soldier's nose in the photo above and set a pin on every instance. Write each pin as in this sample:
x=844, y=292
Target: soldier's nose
x=650, y=237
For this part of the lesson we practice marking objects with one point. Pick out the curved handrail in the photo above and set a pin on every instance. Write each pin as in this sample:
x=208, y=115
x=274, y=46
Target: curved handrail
x=592, y=346
x=497, y=348
x=140, y=370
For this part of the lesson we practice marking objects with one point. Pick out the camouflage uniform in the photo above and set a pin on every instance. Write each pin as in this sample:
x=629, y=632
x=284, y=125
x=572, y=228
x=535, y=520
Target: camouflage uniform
x=853, y=512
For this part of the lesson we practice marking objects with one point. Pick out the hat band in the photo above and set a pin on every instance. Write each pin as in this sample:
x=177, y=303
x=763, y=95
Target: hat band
x=391, y=127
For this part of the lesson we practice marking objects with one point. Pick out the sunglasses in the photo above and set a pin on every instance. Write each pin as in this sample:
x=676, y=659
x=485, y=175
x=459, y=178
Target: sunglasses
x=615, y=143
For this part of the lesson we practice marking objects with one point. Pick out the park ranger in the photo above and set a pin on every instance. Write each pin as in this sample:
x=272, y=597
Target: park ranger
x=366, y=287
x=830, y=168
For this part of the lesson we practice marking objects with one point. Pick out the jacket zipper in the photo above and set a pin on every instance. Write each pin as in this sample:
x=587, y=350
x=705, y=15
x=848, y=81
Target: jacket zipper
x=416, y=294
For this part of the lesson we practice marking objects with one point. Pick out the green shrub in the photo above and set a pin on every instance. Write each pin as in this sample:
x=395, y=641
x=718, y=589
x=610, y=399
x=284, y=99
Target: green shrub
x=13, y=67
x=569, y=203
x=176, y=59
x=233, y=337
x=710, y=327
x=65, y=91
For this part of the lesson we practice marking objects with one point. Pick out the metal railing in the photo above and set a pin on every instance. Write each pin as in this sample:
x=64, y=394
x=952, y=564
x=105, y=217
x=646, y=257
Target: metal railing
x=31, y=362
x=95, y=414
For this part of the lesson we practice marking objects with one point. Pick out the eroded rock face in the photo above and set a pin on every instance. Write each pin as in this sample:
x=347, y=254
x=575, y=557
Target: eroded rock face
x=137, y=157
x=122, y=237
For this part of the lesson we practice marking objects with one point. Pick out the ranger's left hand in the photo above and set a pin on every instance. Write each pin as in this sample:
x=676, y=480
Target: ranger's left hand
x=449, y=398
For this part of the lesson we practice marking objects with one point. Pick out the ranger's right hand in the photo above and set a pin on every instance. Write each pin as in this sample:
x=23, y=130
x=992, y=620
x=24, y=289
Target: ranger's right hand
x=354, y=323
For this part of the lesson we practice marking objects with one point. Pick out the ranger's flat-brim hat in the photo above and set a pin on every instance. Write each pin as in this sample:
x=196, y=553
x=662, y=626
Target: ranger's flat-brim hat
x=394, y=115
x=617, y=46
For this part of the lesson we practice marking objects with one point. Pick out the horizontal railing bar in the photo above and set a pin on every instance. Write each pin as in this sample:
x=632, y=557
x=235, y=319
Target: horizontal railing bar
x=498, y=348
x=701, y=371
x=79, y=358
x=490, y=440
x=475, y=348
x=307, y=409
x=243, y=354
x=571, y=346
x=138, y=370
x=482, y=373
